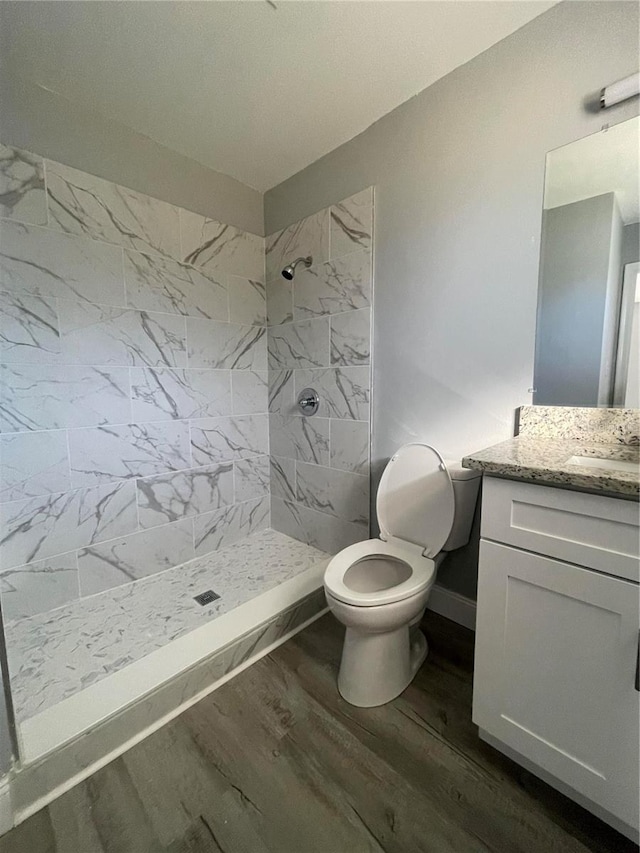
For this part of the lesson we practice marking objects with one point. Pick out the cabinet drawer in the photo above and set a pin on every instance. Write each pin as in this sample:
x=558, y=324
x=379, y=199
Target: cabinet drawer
x=590, y=530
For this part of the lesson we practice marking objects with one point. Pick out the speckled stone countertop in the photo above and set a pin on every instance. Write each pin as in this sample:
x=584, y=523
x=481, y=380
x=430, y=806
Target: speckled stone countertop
x=545, y=461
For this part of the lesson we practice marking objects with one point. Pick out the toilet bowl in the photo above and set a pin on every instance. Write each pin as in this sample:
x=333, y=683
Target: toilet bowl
x=379, y=588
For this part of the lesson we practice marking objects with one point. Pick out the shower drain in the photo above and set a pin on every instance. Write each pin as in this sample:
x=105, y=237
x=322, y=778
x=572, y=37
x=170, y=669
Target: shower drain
x=206, y=597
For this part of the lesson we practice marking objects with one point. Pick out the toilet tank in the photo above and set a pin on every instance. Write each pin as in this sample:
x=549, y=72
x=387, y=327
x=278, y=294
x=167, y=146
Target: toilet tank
x=466, y=484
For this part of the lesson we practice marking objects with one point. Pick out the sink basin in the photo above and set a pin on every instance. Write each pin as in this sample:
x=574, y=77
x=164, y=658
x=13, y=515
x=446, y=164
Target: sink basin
x=605, y=464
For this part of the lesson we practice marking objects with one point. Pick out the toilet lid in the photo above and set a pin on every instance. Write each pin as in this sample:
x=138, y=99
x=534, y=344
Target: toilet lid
x=415, y=500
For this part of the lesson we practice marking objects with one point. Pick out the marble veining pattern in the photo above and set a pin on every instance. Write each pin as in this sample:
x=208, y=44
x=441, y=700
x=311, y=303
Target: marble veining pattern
x=226, y=345
x=310, y=236
x=29, y=330
x=545, y=460
x=52, y=264
x=33, y=464
x=161, y=394
x=217, y=529
x=45, y=652
x=108, y=453
x=304, y=344
x=350, y=337
x=35, y=528
x=344, y=391
x=333, y=287
x=156, y=283
x=39, y=587
x=120, y=561
x=96, y=334
x=39, y=397
x=84, y=204
x=169, y=497
x=249, y=391
x=352, y=223
x=297, y=437
x=217, y=248
x=225, y=439
x=22, y=193
x=319, y=336
x=115, y=349
x=247, y=301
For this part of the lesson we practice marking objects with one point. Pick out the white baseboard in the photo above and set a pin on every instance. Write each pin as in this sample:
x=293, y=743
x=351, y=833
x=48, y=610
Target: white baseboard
x=453, y=606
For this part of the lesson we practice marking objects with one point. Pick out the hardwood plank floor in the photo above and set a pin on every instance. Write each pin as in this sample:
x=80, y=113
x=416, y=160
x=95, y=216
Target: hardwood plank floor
x=276, y=762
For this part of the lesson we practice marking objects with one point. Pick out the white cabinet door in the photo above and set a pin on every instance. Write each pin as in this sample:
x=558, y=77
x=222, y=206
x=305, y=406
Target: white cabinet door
x=556, y=669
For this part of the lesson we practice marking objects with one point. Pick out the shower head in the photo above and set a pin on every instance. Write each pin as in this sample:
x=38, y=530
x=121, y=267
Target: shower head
x=289, y=271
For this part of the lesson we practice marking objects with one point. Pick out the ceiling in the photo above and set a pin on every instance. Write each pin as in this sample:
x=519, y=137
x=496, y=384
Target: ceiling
x=604, y=162
x=246, y=89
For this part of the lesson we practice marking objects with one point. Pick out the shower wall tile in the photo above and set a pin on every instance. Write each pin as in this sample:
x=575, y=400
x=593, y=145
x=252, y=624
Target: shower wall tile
x=84, y=204
x=39, y=587
x=250, y=391
x=22, y=193
x=158, y=395
x=102, y=567
x=36, y=528
x=51, y=264
x=295, y=345
x=349, y=446
x=95, y=334
x=214, y=530
x=343, y=391
x=283, y=478
x=226, y=345
x=29, y=330
x=251, y=477
x=134, y=384
x=156, y=283
x=281, y=392
x=334, y=287
x=40, y=397
x=310, y=236
x=170, y=497
x=318, y=529
x=33, y=464
x=105, y=454
x=279, y=301
x=351, y=337
x=352, y=224
x=338, y=493
x=297, y=437
x=320, y=465
x=247, y=301
x=217, y=248
x=229, y=439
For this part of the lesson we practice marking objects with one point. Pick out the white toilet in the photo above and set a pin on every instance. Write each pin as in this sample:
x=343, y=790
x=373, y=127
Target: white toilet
x=379, y=588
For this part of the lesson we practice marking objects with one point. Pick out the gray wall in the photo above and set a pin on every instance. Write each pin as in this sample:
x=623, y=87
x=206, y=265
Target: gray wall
x=458, y=172
x=47, y=124
x=574, y=288
x=630, y=243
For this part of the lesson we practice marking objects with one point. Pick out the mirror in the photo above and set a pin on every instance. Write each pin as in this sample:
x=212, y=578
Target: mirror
x=587, y=336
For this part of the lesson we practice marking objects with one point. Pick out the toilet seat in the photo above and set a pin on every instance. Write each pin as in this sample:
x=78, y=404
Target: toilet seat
x=422, y=568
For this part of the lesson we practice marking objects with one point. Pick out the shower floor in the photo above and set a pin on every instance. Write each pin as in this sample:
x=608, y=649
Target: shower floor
x=80, y=648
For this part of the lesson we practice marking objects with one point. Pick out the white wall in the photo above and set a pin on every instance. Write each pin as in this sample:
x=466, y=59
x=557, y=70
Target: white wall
x=459, y=172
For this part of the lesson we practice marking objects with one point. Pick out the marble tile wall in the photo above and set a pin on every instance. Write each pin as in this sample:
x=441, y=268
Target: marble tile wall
x=319, y=335
x=133, y=385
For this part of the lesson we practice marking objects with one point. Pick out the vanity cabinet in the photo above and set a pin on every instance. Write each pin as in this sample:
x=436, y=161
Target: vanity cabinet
x=557, y=641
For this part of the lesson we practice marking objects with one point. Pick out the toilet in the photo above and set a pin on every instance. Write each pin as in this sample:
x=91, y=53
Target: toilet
x=379, y=588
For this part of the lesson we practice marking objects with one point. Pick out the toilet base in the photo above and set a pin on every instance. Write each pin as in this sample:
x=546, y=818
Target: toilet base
x=375, y=668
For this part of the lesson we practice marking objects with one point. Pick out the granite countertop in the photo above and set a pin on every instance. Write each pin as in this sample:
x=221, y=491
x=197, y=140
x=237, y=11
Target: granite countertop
x=545, y=460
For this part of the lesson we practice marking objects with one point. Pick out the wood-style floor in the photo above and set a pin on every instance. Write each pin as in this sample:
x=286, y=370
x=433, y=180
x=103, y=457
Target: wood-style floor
x=276, y=761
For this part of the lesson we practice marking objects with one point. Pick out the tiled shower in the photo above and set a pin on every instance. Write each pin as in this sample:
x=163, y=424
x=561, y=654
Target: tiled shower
x=148, y=414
